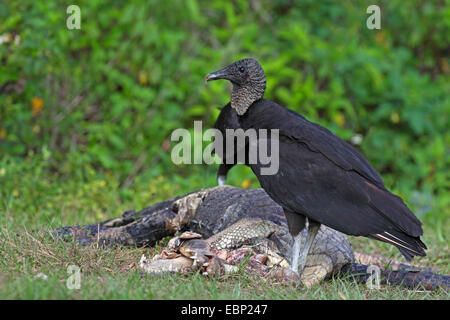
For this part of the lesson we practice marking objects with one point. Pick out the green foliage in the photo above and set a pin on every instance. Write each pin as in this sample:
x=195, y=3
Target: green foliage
x=106, y=98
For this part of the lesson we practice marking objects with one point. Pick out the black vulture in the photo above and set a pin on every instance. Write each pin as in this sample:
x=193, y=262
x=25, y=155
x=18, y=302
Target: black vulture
x=321, y=178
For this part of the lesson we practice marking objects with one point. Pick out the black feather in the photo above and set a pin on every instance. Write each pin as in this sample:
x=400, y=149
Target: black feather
x=326, y=179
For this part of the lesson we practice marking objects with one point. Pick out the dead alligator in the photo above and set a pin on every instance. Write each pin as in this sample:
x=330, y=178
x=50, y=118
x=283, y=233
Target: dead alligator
x=233, y=220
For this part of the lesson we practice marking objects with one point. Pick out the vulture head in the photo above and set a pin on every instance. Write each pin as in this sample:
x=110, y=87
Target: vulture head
x=249, y=82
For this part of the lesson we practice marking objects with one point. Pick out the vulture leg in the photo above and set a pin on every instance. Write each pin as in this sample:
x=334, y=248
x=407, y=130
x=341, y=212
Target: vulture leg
x=296, y=253
x=222, y=173
x=299, y=255
x=296, y=223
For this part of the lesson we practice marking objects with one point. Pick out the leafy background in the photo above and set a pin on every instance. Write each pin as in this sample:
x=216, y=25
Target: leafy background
x=86, y=115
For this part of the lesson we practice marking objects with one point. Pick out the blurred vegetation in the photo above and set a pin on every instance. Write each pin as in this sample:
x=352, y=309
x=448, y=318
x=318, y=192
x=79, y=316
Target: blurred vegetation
x=89, y=113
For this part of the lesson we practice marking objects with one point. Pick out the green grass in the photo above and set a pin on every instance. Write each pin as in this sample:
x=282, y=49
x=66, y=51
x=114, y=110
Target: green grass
x=31, y=200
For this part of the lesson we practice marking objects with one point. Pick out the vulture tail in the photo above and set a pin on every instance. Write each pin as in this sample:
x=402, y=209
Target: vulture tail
x=408, y=246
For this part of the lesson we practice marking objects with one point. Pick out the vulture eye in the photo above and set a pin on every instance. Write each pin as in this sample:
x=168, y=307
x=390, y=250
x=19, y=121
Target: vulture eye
x=241, y=69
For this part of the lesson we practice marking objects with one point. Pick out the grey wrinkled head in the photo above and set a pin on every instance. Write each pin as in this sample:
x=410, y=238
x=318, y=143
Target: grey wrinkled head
x=248, y=79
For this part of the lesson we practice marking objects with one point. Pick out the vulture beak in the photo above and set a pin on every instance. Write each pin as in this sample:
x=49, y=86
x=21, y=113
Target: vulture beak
x=221, y=74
